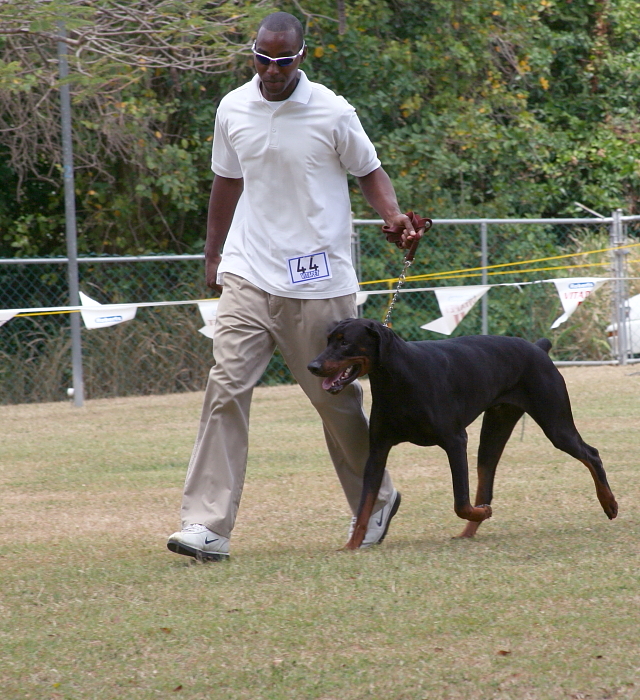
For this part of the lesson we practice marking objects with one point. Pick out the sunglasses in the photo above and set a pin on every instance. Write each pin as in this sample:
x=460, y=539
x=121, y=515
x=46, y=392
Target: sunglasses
x=280, y=62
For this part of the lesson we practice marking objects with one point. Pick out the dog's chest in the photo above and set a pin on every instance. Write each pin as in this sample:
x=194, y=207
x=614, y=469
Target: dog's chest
x=400, y=422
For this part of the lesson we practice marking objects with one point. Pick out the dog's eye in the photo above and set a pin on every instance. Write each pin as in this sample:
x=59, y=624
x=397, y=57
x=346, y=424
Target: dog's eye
x=344, y=343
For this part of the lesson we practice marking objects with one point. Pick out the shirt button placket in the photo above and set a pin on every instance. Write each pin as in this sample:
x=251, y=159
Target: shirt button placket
x=273, y=133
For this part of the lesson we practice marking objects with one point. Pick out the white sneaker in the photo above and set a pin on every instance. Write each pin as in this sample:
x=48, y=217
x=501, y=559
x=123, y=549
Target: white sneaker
x=199, y=542
x=378, y=522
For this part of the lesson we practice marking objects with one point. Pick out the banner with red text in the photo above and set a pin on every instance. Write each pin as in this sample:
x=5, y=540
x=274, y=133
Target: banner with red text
x=573, y=291
x=455, y=303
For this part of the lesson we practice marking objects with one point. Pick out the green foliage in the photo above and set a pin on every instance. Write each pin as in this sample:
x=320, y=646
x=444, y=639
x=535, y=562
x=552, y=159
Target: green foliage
x=12, y=78
x=145, y=81
x=526, y=311
x=494, y=108
x=483, y=108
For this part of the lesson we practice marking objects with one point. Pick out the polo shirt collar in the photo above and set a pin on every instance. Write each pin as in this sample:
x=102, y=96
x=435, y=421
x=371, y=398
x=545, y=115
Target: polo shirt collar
x=301, y=94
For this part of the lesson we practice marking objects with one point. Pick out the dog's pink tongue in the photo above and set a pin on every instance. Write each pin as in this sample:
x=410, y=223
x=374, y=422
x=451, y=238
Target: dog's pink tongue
x=328, y=382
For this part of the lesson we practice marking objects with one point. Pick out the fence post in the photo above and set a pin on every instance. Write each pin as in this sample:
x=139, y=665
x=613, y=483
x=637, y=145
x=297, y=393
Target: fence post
x=70, y=218
x=485, y=262
x=620, y=284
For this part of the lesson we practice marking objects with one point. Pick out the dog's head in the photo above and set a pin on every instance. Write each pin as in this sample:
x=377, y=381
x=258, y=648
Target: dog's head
x=353, y=349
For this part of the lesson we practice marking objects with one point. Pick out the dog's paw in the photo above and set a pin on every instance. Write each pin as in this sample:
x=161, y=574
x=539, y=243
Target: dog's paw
x=611, y=509
x=608, y=502
x=468, y=532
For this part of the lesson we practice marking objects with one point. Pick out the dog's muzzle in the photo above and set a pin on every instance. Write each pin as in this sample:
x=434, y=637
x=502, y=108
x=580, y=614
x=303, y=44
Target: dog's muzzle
x=335, y=379
x=315, y=367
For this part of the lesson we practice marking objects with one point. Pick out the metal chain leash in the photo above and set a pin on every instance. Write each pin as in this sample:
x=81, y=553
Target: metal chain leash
x=393, y=235
x=401, y=280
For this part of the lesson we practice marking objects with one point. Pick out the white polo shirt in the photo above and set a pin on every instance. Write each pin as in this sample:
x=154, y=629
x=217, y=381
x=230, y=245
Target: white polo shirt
x=291, y=232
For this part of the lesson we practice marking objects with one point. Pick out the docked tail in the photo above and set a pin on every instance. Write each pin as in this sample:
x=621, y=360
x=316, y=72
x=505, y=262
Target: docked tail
x=544, y=343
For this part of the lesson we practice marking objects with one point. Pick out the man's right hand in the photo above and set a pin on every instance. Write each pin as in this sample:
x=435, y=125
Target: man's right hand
x=211, y=265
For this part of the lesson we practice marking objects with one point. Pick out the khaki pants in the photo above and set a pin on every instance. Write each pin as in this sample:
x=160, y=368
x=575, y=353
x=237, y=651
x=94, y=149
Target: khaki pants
x=249, y=325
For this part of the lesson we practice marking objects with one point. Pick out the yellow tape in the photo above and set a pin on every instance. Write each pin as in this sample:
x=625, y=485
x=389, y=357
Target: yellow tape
x=48, y=313
x=451, y=275
x=513, y=272
x=140, y=306
x=438, y=275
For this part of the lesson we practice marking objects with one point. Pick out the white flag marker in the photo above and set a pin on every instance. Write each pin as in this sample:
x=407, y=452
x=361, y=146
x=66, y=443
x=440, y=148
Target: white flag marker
x=455, y=303
x=103, y=315
x=208, y=311
x=361, y=297
x=6, y=316
x=573, y=291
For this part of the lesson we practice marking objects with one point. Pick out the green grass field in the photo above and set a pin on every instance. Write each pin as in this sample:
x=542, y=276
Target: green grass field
x=544, y=603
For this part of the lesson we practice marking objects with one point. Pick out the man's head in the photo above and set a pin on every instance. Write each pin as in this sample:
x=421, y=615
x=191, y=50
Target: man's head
x=279, y=35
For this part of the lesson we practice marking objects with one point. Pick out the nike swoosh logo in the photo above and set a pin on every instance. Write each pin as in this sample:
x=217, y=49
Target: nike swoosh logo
x=206, y=541
x=379, y=522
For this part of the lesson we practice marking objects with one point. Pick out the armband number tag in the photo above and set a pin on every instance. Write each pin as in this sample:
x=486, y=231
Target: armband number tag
x=309, y=268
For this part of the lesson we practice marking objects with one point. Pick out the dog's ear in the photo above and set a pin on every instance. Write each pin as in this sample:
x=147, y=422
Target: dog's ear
x=372, y=327
x=375, y=326
x=383, y=335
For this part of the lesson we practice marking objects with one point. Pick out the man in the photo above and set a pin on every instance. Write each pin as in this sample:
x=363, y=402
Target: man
x=280, y=206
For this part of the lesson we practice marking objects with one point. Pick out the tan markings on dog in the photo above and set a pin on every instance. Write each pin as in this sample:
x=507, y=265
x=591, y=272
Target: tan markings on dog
x=365, y=365
x=475, y=514
x=333, y=367
x=360, y=528
x=469, y=531
x=604, y=494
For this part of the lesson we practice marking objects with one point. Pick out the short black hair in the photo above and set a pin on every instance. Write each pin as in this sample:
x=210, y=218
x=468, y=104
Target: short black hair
x=282, y=22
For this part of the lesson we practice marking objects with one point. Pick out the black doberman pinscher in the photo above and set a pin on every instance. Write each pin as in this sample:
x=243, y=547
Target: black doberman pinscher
x=427, y=392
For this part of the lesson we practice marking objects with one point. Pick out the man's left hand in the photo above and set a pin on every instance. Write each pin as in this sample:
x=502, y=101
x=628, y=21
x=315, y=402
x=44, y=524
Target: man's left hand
x=409, y=235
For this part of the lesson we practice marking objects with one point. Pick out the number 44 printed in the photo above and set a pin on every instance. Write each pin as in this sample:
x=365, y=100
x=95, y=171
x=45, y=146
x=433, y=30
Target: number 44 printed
x=309, y=268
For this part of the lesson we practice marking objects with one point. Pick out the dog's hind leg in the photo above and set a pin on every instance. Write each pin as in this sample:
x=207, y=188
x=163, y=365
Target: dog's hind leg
x=497, y=425
x=456, y=449
x=603, y=491
x=574, y=445
x=556, y=421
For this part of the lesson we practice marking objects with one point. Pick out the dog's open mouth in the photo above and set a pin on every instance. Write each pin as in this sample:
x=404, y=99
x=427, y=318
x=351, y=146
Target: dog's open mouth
x=338, y=381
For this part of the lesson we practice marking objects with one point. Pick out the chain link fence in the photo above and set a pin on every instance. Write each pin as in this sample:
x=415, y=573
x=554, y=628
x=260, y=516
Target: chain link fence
x=161, y=350
x=452, y=252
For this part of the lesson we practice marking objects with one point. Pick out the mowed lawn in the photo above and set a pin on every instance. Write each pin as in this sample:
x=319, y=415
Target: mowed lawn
x=544, y=603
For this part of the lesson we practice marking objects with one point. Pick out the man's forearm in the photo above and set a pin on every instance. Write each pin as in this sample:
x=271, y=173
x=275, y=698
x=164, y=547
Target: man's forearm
x=225, y=193
x=379, y=193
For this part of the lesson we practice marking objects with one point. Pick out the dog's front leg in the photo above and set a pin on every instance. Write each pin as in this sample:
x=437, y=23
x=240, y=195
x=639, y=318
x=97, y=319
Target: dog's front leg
x=456, y=449
x=371, y=481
